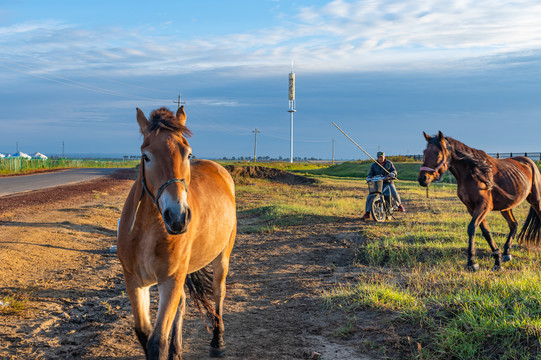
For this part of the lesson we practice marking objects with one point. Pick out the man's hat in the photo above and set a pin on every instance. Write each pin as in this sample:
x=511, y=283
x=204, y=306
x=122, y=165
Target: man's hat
x=381, y=153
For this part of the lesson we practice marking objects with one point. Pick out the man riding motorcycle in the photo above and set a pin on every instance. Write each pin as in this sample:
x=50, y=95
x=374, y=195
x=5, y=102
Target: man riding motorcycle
x=377, y=170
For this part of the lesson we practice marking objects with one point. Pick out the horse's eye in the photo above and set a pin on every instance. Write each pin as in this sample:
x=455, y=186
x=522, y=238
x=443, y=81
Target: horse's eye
x=145, y=158
x=190, y=156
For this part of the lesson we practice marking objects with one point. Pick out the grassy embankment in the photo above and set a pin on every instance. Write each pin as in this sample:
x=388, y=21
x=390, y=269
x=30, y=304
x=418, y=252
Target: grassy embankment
x=345, y=170
x=485, y=315
x=18, y=166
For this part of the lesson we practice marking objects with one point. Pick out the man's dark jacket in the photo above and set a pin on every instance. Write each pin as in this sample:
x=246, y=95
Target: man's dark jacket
x=376, y=170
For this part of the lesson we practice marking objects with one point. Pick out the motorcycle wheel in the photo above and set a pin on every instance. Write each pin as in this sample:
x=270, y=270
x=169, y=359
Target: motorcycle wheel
x=378, y=209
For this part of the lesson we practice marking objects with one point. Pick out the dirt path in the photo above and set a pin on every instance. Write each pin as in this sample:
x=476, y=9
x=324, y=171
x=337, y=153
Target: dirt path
x=55, y=257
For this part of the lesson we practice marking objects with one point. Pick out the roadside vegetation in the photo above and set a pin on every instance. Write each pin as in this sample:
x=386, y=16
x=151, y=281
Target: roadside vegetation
x=18, y=166
x=411, y=269
x=14, y=302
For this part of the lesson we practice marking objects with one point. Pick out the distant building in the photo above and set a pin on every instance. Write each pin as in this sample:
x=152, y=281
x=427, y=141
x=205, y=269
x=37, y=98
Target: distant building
x=39, y=156
x=20, y=155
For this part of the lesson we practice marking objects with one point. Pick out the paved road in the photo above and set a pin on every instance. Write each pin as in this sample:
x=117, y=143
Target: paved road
x=15, y=184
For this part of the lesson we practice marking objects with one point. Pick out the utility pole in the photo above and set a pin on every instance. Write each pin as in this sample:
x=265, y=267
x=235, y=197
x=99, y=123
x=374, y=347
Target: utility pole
x=255, y=144
x=62, y=149
x=179, y=103
x=333, y=151
x=17, y=146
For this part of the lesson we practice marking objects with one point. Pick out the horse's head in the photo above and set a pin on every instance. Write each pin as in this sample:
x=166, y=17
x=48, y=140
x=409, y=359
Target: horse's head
x=437, y=157
x=165, y=166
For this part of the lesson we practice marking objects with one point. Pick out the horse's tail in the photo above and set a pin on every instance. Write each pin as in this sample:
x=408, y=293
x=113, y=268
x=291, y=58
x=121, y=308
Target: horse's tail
x=199, y=285
x=531, y=230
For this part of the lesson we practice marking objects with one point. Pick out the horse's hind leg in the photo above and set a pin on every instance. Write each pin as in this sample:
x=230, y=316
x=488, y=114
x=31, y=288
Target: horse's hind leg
x=175, y=347
x=140, y=303
x=220, y=267
x=495, y=251
x=513, y=226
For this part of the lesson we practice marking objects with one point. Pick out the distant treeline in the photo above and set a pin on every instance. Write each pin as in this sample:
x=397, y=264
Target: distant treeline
x=535, y=156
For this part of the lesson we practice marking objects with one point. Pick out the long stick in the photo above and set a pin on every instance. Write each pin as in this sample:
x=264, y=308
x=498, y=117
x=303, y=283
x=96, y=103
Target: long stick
x=359, y=146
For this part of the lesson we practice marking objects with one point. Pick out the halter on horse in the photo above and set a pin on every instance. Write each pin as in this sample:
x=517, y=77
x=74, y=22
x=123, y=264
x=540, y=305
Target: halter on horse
x=186, y=221
x=486, y=184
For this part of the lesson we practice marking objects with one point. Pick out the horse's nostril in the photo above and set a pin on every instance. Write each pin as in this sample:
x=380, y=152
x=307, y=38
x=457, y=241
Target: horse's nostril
x=188, y=215
x=167, y=216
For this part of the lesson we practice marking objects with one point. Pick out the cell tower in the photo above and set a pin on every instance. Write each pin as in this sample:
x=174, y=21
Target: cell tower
x=291, y=104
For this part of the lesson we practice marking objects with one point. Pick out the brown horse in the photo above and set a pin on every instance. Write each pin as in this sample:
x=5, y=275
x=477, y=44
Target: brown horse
x=178, y=217
x=487, y=184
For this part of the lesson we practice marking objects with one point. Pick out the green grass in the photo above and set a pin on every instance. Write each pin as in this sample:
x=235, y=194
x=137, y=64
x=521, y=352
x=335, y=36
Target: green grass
x=496, y=316
x=485, y=315
x=499, y=317
x=370, y=295
x=15, y=166
x=286, y=166
x=294, y=205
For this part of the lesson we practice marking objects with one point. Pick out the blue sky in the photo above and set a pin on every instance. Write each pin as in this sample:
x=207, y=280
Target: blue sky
x=383, y=70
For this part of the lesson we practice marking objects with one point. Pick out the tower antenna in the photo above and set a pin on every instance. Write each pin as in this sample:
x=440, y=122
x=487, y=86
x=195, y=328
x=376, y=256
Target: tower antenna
x=292, y=104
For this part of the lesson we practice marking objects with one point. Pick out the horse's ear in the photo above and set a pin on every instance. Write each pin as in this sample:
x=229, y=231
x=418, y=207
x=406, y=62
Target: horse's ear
x=427, y=137
x=440, y=135
x=143, y=122
x=181, y=115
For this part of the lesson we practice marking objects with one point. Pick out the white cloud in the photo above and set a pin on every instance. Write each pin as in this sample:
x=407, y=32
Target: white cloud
x=339, y=36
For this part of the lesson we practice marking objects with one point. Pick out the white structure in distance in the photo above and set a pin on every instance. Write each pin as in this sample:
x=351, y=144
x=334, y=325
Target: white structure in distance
x=21, y=155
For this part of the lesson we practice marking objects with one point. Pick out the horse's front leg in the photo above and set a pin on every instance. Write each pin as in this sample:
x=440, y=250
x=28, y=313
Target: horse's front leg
x=140, y=302
x=477, y=218
x=495, y=251
x=170, y=291
x=472, y=265
x=175, y=348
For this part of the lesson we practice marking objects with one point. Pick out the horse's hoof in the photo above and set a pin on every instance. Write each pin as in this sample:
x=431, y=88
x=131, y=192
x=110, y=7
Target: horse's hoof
x=217, y=352
x=496, y=268
x=472, y=268
x=507, y=258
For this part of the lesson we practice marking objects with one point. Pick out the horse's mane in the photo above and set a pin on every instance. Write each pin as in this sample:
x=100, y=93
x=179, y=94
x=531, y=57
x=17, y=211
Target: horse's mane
x=477, y=162
x=164, y=118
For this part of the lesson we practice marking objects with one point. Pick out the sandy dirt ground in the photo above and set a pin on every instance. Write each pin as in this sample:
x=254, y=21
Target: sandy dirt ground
x=54, y=255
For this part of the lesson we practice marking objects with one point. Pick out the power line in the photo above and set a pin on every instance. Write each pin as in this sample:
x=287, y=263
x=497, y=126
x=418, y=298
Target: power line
x=73, y=83
x=94, y=75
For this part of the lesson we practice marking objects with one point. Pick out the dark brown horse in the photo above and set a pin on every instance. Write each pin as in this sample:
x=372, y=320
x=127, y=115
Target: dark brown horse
x=179, y=217
x=487, y=184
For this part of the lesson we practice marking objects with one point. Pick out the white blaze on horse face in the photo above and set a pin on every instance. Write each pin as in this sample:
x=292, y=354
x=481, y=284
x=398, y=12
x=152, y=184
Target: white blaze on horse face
x=171, y=202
